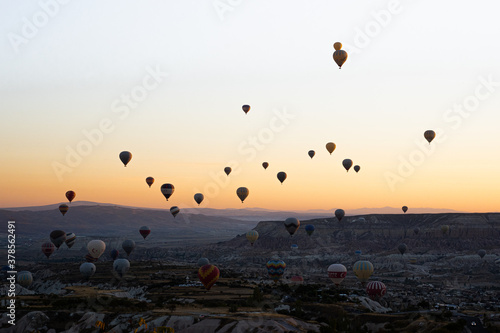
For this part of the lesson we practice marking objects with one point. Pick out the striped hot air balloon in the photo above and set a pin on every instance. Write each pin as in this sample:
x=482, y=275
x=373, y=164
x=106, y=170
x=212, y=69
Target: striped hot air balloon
x=337, y=273
x=375, y=289
x=24, y=278
x=63, y=208
x=167, y=190
x=208, y=275
x=363, y=270
x=70, y=239
x=252, y=236
x=275, y=269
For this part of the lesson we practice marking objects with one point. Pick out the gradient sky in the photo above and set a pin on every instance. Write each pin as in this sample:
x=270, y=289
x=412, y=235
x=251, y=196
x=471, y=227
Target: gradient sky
x=67, y=68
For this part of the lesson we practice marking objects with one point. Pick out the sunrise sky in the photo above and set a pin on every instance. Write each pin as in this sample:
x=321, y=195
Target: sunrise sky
x=81, y=81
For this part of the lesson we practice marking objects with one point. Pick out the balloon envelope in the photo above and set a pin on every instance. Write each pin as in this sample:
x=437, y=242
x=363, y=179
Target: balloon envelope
x=291, y=225
x=481, y=253
x=121, y=266
x=330, y=146
x=405, y=209
x=167, y=190
x=246, y=108
x=347, y=163
x=375, y=289
x=281, y=176
x=58, y=237
x=309, y=229
x=128, y=245
x=63, y=209
x=208, y=275
x=174, y=210
x=203, y=262
x=357, y=168
x=48, y=248
x=429, y=135
x=24, y=278
x=125, y=157
x=87, y=269
x=70, y=239
x=150, y=181
x=242, y=193
x=227, y=170
x=337, y=273
x=402, y=248
x=416, y=230
x=114, y=254
x=311, y=153
x=198, y=197
x=96, y=248
x=275, y=269
x=363, y=270
x=252, y=236
x=144, y=231
x=265, y=165
x=70, y=195
x=339, y=214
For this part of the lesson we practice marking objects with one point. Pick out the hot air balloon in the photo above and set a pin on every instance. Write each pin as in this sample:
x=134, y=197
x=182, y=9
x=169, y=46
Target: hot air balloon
x=429, y=135
x=174, y=210
x=87, y=269
x=339, y=214
x=114, y=254
x=24, y=278
x=128, y=245
x=150, y=181
x=416, y=230
x=358, y=252
x=311, y=153
x=309, y=229
x=375, y=289
x=291, y=225
x=208, y=275
x=70, y=239
x=203, y=262
x=242, y=193
x=121, y=267
x=363, y=270
x=246, y=108
x=227, y=170
x=167, y=190
x=198, y=197
x=481, y=253
x=96, y=248
x=330, y=146
x=265, y=165
x=445, y=229
x=281, y=176
x=275, y=269
x=405, y=209
x=402, y=248
x=58, y=237
x=48, y=248
x=125, y=157
x=252, y=236
x=70, y=195
x=63, y=208
x=89, y=258
x=357, y=168
x=297, y=279
x=347, y=163
x=144, y=231
x=340, y=56
x=294, y=247
x=337, y=273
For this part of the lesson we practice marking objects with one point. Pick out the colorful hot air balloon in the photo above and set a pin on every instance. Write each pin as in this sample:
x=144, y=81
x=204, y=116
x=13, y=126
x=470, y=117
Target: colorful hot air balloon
x=208, y=275
x=330, y=146
x=144, y=231
x=125, y=157
x=24, y=278
x=416, y=230
x=89, y=258
x=227, y=170
x=339, y=214
x=340, y=56
x=294, y=247
x=375, y=289
x=70, y=239
x=128, y=245
x=48, y=248
x=275, y=269
x=70, y=195
x=347, y=163
x=405, y=209
x=337, y=273
x=481, y=253
x=150, y=181
x=87, y=269
x=203, y=262
x=402, y=248
x=309, y=229
x=114, y=254
x=198, y=197
x=252, y=236
x=311, y=153
x=291, y=225
x=174, y=210
x=429, y=135
x=242, y=193
x=281, y=176
x=363, y=270
x=246, y=108
x=58, y=237
x=63, y=208
x=96, y=248
x=121, y=267
x=357, y=168
x=265, y=165
x=167, y=190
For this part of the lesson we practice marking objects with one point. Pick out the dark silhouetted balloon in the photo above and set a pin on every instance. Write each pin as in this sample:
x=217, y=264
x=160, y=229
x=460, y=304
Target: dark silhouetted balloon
x=309, y=229
x=339, y=214
x=402, y=248
x=481, y=253
x=311, y=153
x=70, y=239
x=340, y=56
x=416, y=230
x=246, y=108
x=63, y=208
x=265, y=165
x=281, y=176
x=70, y=195
x=48, y=248
x=347, y=163
x=58, y=237
x=291, y=225
x=227, y=170
x=429, y=135
x=405, y=209
x=167, y=190
x=198, y=197
x=242, y=193
x=125, y=157
x=114, y=254
x=357, y=168
x=174, y=210
x=150, y=181
x=144, y=231
x=330, y=146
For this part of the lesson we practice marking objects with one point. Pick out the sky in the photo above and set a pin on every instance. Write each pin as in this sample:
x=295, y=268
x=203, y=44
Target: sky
x=81, y=81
